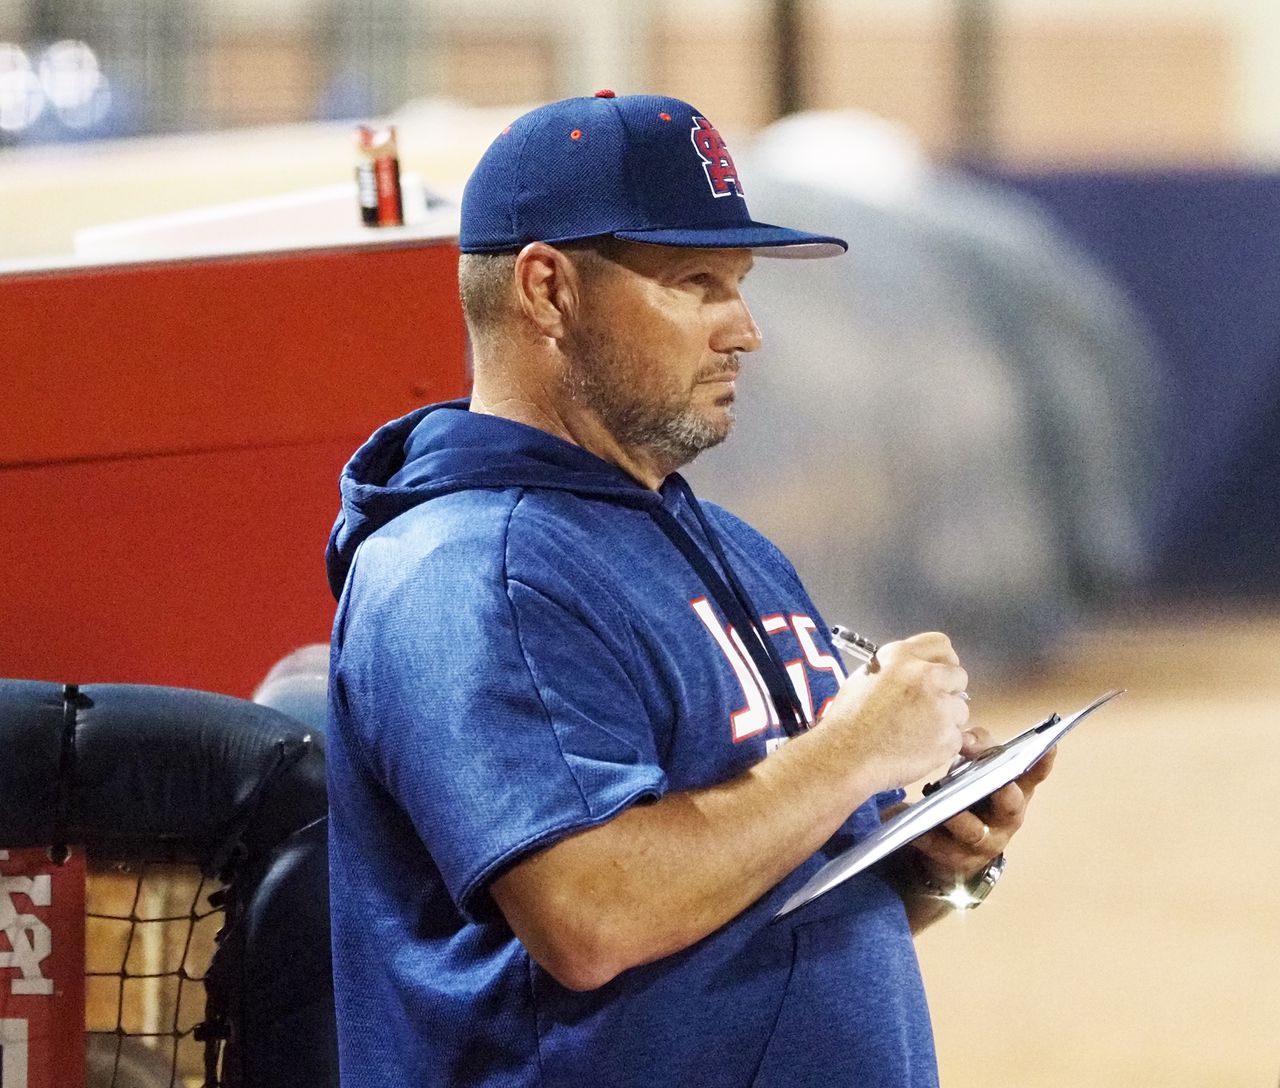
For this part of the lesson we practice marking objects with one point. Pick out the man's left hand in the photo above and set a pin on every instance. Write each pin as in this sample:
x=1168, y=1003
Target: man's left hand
x=966, y=844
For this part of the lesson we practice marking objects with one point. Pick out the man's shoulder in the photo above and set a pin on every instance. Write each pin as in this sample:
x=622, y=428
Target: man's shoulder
x=744, y=534
x=466, y=517
x=727, y=521
x=489, y=532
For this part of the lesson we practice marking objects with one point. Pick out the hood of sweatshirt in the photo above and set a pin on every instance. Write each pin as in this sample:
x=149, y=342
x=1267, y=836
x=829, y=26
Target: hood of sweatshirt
x=444, y=448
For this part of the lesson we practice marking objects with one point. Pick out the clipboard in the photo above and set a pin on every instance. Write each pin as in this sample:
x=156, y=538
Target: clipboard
x=964, y=785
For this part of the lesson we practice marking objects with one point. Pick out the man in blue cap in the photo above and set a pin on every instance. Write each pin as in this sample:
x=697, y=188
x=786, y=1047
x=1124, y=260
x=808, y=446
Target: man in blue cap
x=586, y=733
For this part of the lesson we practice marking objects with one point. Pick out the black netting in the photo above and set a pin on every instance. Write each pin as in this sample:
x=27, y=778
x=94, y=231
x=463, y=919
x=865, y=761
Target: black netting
x=150, y=932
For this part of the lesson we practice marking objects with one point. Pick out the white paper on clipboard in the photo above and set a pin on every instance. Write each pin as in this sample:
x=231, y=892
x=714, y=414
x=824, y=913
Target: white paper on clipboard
x=966, y=785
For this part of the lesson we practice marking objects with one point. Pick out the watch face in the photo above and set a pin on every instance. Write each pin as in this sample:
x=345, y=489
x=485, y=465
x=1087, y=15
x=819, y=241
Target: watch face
x=968, y=895
x=980, y=886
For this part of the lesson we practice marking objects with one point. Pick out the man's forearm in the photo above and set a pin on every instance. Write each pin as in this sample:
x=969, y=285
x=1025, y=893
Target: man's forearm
x=660, y=877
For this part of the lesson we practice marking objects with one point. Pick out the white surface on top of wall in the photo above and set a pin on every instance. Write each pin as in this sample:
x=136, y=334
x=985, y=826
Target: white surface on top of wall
x=323, y=217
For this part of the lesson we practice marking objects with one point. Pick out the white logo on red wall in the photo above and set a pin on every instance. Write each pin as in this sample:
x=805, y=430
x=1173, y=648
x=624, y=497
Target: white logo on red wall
x=29, y=939
x=41, y=970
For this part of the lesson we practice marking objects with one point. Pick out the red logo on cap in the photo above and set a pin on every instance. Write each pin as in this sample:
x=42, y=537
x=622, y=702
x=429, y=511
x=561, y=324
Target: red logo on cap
x=716, y=160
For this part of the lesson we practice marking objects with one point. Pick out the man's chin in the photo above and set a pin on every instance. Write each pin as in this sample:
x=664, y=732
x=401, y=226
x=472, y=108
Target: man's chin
x=696, y=435
x=715, y=428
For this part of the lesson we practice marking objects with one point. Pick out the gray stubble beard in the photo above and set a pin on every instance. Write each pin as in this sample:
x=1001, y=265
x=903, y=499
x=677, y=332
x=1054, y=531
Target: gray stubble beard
x=674, y=436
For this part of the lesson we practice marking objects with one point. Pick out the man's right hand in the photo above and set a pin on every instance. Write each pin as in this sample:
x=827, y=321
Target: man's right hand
x=902, y=716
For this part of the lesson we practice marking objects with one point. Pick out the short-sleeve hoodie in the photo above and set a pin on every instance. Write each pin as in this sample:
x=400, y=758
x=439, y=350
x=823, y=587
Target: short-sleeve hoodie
x=521, y=652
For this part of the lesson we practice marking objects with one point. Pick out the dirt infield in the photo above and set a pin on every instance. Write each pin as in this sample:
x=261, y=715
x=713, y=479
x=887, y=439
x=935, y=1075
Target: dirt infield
x=1135, y=939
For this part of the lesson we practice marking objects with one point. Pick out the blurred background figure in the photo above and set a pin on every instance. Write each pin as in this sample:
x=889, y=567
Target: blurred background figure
x=954, y=428
x=297, y=685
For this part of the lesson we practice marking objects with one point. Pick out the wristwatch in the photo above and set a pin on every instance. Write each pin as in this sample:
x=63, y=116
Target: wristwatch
x=974, y=891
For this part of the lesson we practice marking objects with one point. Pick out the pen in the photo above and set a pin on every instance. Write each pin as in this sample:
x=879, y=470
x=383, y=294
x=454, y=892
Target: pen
x=861, y=647
x=854, y=644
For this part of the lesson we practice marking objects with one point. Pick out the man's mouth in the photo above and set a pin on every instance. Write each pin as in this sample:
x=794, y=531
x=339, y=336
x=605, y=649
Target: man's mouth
x=727, y=375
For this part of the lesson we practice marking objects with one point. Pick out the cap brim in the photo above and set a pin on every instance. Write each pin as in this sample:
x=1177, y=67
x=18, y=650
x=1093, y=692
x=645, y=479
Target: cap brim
x=764, y=239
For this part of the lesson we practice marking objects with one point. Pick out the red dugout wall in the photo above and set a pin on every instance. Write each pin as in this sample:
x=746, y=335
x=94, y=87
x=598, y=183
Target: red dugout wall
x=170, y=443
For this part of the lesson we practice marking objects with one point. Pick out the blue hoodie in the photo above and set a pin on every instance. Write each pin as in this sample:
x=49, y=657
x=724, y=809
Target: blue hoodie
x=527, y=642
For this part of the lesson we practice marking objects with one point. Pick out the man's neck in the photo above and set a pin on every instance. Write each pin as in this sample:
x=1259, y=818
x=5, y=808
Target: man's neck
x=574, y=426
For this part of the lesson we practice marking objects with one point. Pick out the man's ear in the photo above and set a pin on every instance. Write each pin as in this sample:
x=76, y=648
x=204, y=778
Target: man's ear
x=548, y=287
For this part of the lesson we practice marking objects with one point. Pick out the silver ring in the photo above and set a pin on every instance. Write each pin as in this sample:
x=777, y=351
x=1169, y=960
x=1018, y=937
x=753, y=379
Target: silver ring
x=963, y=695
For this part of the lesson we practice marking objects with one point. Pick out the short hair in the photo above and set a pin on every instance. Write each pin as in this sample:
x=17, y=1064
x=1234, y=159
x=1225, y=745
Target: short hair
x=484, y=279
x=484, y=283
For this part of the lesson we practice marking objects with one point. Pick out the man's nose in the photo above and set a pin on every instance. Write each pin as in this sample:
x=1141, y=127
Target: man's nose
x=738, y=332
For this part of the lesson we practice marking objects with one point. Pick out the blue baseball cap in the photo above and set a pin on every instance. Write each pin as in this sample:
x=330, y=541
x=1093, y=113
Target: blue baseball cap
x=642, y=168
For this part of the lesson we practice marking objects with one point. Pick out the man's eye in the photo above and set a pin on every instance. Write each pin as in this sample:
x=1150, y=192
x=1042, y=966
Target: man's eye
x=701, y=279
